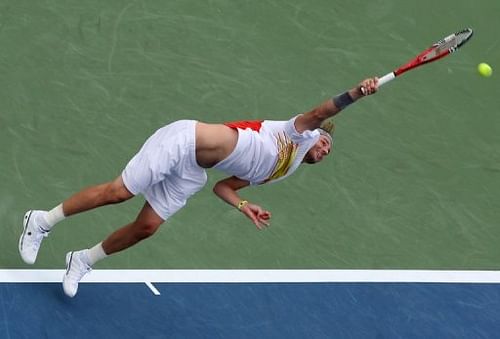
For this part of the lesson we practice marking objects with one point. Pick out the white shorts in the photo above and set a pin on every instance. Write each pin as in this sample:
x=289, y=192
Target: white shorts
x=165, y=170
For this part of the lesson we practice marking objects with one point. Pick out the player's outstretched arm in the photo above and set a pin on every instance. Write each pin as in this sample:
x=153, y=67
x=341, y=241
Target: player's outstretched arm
x=226, y=190
x=313, y=119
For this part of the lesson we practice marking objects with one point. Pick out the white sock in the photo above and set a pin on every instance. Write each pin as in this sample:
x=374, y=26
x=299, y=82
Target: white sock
x=95, y=254
x=52, y=217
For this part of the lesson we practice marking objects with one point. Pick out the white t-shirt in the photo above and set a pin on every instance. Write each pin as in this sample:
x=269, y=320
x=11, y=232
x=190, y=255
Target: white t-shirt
x=267, y=150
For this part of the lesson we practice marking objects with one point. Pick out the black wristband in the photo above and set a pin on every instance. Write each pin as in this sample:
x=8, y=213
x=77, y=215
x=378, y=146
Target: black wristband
x=343, y=100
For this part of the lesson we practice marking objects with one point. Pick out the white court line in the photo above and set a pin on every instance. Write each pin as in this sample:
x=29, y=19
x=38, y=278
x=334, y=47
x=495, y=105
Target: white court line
x=257, y=276
x=152, y=288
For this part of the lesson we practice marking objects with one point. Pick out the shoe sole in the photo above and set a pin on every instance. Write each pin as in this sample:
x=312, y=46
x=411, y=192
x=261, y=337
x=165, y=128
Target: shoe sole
x=27, y=217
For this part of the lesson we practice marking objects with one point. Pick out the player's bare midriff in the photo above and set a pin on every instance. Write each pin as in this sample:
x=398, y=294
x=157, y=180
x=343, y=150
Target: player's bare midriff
x=214, y=143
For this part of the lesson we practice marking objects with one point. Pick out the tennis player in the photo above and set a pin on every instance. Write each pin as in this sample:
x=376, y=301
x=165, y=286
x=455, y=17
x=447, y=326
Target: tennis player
x=170, y=168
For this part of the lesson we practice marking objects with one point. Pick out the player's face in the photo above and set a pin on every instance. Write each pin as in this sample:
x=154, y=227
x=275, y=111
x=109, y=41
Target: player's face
x=321, y=149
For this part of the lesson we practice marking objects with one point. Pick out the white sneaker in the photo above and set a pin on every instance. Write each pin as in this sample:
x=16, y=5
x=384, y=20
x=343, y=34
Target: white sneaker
x=32, y=236
x=76, y=268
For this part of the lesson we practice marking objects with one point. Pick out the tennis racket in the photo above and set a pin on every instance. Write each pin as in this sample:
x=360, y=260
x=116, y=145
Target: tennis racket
x=437, y=51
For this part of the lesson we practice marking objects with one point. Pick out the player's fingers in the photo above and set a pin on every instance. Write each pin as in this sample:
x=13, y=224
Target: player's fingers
x=265, y=223
x=370, y=86
x=262, y=222
x=252, y=217
x=260, y=226
x=264, y=218
x=366, y=87
x=265, y=215
x=258, y=222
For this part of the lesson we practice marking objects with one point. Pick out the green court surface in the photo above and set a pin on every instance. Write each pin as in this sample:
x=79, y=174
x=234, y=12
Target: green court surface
x=414, y=180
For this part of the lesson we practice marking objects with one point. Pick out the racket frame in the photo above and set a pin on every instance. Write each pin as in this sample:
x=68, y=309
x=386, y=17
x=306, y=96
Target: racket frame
x=448, y=46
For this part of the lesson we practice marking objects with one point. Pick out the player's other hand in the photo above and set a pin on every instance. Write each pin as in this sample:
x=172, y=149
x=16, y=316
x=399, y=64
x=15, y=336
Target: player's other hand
x=258, y=215
x=368, y=86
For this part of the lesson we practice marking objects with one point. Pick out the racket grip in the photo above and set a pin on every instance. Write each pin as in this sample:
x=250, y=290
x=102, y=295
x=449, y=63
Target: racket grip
x=383, y=80
x=386, y=78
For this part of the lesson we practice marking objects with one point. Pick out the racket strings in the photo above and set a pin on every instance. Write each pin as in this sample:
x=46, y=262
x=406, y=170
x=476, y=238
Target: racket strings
x=452, y=42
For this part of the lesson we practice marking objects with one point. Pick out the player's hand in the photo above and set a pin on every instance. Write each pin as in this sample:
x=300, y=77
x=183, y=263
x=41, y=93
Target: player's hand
x=257, y=214
x=368, y=86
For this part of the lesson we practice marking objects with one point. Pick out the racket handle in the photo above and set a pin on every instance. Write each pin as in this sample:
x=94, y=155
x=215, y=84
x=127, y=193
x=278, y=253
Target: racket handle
x=383, y=80
x=386, y=78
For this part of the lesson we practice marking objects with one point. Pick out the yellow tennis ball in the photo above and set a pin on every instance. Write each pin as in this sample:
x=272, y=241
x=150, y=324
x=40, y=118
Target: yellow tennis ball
x=484, y=69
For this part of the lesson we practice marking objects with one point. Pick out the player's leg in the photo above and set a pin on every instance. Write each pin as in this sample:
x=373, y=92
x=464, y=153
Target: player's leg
x=146, y=224
x=165, y=171
x=37, y=224
x=79, y=263
x=95, y=196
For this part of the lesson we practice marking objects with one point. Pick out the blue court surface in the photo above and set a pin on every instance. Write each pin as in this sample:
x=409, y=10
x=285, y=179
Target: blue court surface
x=252, y=309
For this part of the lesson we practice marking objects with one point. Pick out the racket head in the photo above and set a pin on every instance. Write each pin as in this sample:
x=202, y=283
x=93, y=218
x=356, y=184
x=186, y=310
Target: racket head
x=438, y=50
x=454, y=41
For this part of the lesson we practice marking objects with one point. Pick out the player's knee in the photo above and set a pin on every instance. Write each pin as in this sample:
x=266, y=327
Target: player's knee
x=114, y=193
x=146, y=229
